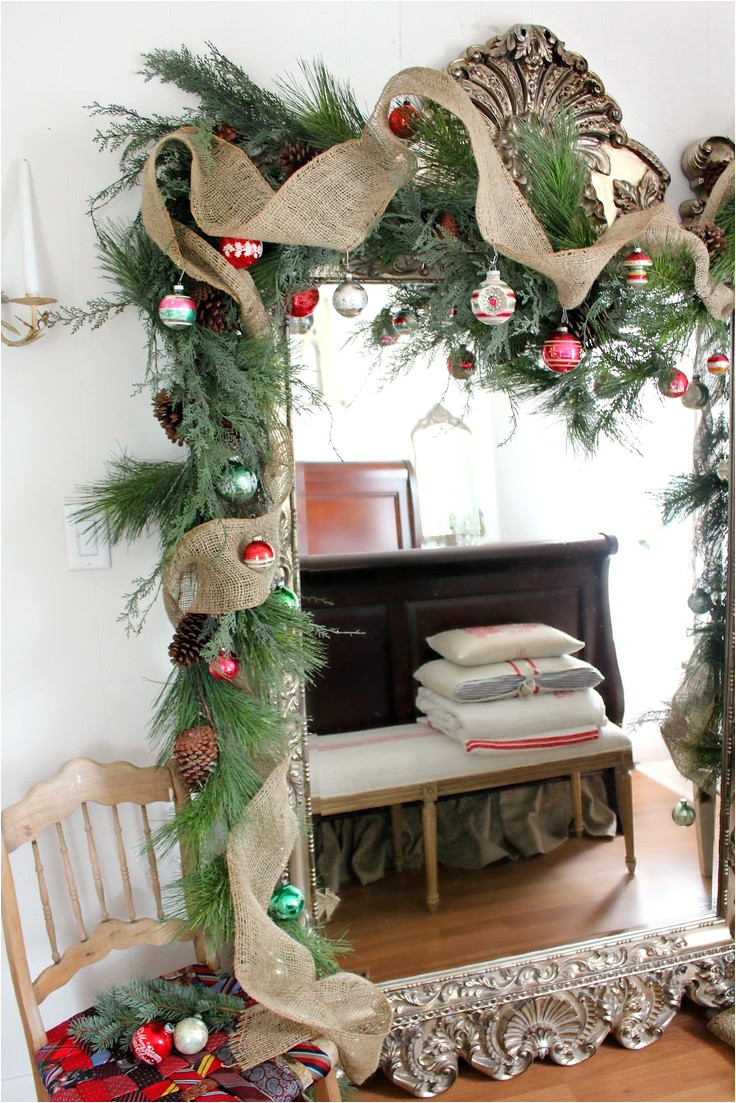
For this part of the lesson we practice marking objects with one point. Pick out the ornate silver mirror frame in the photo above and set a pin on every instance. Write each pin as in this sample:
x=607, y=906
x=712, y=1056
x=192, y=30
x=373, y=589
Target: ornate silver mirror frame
x=559, y=1004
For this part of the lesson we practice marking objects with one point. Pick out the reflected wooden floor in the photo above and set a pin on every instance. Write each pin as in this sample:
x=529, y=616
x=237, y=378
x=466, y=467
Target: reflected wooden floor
x=579, y=891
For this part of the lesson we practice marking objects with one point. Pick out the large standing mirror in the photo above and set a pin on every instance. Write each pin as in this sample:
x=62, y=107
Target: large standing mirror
x=426, y=506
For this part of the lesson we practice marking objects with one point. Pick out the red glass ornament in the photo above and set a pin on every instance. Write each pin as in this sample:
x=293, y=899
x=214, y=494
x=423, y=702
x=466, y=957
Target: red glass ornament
x=152, y=1042
x=259, y=553
x=461, y=364
x=636, y=265
x=673, y=384
x=718, y=363
x=303, y=302
x=225, y=667
x=562, y=351
x=241, y=252
x=402, y=121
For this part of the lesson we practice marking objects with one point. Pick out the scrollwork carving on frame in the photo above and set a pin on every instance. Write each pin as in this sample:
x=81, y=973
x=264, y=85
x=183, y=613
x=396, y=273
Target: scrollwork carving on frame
x=703, y=162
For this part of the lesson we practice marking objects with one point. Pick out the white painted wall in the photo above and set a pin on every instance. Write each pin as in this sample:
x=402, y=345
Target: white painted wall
x=72, y=682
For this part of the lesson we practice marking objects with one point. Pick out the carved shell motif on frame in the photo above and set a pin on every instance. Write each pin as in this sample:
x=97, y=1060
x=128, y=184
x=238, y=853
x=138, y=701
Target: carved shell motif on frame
x=500, y=1016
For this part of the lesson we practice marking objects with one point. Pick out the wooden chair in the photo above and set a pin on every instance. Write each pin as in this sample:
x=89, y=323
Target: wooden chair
x=62, y=809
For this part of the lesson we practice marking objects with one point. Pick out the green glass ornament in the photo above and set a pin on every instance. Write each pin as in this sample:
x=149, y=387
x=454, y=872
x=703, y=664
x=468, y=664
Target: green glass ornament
x=286, y=596
x=700, y=602
x=239, y=484
x=286, y=903
x=683, y=813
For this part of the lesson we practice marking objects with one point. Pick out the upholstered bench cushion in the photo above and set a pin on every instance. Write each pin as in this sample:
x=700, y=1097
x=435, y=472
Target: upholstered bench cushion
x=71, y=1071
x=381, y=759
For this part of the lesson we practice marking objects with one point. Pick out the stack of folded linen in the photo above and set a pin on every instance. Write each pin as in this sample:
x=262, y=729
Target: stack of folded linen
x=510, y=687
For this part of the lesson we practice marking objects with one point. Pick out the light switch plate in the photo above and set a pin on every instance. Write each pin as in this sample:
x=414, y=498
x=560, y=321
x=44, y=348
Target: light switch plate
x=86, y=549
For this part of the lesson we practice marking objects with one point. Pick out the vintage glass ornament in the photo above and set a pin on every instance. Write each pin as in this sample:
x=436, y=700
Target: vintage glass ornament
x=494, y=301
x=637, y=265
x=286, y=596
x=403, y=119
x=697, y=396
x=241, y=252
x=683, y=813
x=461, y=363
x=700, y=602
x=722, y=470
x=177, y=311
x=562, y=351
x=287, y=902
x=404, y=322
x=239, y=484
x=449, y=321
x=303, y=302
x=673, y=384
x=225, y=667
x=718, y=364
x=152, y=1042
x=349, y=298
x=300, y=326
x=259, y=554
x=190, y=1035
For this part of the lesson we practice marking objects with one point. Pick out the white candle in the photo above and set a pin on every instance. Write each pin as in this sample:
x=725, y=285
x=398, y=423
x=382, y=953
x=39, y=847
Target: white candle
x=28, y=237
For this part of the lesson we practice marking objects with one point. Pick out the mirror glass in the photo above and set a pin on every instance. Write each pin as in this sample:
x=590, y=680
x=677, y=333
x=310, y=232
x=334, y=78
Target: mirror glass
x=528, y=485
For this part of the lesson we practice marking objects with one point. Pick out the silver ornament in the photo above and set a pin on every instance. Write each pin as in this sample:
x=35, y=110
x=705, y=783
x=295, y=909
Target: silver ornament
x=722, y=470
x=683, y=813
x=494, y=301
x=190, y=1035
x=349, y=298
x=697, y=395
x=700, y=602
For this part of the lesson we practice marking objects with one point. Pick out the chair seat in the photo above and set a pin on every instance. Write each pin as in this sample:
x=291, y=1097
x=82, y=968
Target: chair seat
x=71, y=1071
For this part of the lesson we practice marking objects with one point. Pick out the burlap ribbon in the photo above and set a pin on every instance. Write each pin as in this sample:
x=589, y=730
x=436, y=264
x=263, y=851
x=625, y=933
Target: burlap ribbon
x=278, y=972
x=335, y=200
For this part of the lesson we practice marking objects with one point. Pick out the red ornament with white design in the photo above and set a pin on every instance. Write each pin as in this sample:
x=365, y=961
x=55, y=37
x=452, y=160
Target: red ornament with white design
x=152, y=1042
x=303, y=302
x=241, y=252
x=718, y=364
x=673, y=384
x=494, y=301
x=562, y=351
x=259, y=554
x=224, y=667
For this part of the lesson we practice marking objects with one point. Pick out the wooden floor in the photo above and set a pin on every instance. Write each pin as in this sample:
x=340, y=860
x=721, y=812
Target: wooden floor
x=580, y=890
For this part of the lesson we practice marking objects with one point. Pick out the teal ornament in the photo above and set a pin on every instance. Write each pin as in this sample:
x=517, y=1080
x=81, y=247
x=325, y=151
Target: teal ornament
x=700, y=602
x=239, y=484
x=286, y=903
x=683, y=813
x=286, y=596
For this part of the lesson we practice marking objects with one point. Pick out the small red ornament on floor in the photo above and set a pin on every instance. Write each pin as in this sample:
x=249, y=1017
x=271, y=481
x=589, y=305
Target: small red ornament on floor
x=718, y=364
x=152, y=1042
x=403, y=119
x=562, y=351
x=673, y=384
x=241, y=252
x=259, y=554
x=224, y=667
x=302, y=303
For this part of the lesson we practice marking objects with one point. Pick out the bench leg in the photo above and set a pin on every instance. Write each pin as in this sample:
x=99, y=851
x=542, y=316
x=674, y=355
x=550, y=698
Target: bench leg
x=396, y=834
x=327, y=1089
x=429, y=826
x=626, y=807
x=577, y=804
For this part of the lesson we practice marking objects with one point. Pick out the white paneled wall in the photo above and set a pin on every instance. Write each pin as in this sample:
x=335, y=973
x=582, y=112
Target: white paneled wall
x=73, y=683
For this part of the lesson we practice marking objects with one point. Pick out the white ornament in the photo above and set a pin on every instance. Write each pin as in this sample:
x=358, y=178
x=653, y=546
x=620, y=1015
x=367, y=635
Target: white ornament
x=494, y=301
x=190, y=1035
x=349, y=298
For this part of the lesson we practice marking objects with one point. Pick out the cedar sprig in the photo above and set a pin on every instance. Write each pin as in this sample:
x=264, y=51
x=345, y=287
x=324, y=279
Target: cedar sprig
x=123, y=1008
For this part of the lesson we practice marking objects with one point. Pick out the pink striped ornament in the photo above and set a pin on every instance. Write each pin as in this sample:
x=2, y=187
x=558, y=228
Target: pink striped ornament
x=562, y=351
x=494, y=301
x=177, y=311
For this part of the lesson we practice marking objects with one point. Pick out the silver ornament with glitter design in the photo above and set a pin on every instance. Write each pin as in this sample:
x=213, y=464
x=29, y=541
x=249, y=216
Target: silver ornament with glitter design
x=190, y=1035
x=683, y=813
x=494, y=301
x=349, y=298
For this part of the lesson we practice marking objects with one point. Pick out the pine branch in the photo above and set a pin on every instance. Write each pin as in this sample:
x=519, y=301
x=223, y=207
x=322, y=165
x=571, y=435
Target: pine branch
x=326, y=108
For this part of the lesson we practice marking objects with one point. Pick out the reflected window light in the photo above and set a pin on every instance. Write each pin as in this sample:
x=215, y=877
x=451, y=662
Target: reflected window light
x=443, y=462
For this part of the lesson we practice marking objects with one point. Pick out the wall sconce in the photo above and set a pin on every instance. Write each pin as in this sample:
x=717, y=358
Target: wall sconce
x=39, y=318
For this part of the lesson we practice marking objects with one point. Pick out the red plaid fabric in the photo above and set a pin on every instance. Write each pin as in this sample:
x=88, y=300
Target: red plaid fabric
x=71, y=1071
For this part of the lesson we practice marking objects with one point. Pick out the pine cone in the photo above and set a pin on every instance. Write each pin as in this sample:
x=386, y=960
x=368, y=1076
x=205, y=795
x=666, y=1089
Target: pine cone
x=211, y=303
x=711, y=172
x=295, y=156
x=169, y=414
x=195, y=752
x=447, y=225
x=186, y=647
x=225, y=131
x=712, y=236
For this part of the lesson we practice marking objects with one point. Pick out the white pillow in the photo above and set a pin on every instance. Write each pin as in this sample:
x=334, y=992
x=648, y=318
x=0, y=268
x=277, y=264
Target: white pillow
x=496, y=643
x=513, y=678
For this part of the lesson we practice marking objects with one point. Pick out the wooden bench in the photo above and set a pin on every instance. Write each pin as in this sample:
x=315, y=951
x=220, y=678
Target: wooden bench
x=389, y=767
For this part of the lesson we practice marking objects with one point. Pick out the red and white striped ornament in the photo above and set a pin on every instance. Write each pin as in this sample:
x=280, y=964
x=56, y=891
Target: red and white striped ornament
x=637, y=265
x=494, y=301
x=562, y=351
x=718, y=364
x=241, y=252
x=259, y=554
